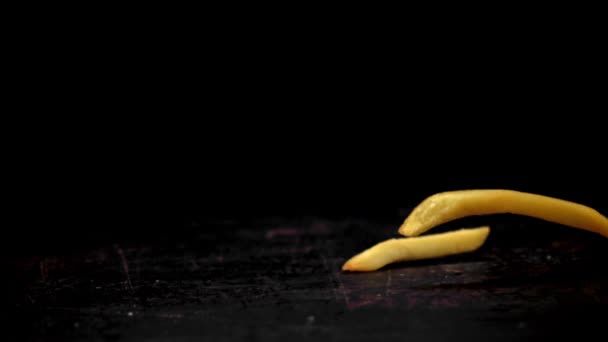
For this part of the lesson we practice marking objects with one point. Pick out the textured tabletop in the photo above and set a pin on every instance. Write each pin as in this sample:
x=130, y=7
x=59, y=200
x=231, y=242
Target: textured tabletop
x=275, y=279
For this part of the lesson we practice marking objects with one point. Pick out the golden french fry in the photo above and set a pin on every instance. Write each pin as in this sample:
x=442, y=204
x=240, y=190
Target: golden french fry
x=447, y=206
x=416, y=248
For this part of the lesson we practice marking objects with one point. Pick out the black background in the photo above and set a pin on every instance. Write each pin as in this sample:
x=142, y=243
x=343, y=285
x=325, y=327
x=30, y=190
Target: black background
x=334, y=171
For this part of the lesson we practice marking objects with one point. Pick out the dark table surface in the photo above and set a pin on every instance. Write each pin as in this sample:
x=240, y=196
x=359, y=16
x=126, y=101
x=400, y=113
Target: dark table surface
x=274, y=279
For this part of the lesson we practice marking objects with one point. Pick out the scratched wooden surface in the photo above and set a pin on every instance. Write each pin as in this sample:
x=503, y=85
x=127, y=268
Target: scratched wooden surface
x=276, y=279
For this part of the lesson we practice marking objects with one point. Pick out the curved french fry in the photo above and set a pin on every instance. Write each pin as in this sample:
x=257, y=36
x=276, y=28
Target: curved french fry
x=447, y=206
x=416, y=248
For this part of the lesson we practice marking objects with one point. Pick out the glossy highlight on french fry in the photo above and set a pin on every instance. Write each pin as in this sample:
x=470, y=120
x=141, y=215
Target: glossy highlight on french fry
x=447, y=206
x=417, y=248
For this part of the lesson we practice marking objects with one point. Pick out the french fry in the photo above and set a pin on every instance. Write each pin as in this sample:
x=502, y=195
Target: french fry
x=447, y=206
x=417, y=248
